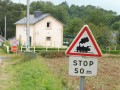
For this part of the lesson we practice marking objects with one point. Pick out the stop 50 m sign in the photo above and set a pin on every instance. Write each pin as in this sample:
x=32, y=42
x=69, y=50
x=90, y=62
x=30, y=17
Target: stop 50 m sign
x=82, y=66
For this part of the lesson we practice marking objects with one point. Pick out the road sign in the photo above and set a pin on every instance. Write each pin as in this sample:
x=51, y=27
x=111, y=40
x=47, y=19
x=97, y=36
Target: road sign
x=14, y=48
x=84, y=44
x=14, y=42
x=82, y=66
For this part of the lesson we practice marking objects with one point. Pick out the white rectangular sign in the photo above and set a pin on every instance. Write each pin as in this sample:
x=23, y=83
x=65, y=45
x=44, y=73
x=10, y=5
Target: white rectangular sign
x=82, y=66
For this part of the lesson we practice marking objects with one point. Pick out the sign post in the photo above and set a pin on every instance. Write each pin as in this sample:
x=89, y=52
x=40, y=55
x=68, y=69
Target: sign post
x=82, y=82
x=82, y=54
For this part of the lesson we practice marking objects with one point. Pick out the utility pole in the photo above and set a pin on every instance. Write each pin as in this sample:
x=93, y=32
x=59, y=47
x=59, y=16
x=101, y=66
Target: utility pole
x=5, y=28
x=28, y=29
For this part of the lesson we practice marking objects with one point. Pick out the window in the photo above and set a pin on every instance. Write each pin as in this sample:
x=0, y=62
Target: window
x=48, y=38
x=48, y=24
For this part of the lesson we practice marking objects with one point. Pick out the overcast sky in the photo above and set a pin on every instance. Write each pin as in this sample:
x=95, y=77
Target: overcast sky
x=113, y=5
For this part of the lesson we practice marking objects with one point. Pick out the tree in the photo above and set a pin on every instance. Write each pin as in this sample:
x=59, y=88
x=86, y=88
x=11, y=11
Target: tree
x=116, y=25
x=74, y=26
x=102, y=34
x=13, y=12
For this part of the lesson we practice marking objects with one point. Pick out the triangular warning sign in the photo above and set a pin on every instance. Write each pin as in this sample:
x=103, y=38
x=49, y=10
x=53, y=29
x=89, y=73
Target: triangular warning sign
x=84, y=44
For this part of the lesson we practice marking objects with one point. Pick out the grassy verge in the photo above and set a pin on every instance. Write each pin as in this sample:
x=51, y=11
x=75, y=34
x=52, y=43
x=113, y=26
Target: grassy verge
x=34, y=75
x=2, y=51
x=52, y=74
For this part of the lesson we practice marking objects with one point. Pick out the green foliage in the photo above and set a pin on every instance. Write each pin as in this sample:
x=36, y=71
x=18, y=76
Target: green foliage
x=2, y=51
x=35, y=75
x=73, y=17
x=73, y=26
x=111, y=51
x=118, y=37
x=116, y=25
x=13, y=12
x=7, y=43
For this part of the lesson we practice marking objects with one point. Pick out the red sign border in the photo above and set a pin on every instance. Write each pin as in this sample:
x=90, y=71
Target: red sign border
x=85, y=28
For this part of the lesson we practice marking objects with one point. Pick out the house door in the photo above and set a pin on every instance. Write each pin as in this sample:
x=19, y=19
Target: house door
x=48, y=41
x=30, y=40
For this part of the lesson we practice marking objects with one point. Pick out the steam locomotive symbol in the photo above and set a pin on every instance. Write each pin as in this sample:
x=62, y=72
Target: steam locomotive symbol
x=84, y=40
x=82, y=48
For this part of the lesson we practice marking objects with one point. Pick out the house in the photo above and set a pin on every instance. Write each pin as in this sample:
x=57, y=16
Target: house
x=45, y=30
x=1, y=40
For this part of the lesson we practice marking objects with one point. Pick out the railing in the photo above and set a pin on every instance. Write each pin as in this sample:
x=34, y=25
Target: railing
x=35, y=49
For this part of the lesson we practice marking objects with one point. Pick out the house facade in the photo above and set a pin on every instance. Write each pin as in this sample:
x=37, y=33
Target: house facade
x=45, y=30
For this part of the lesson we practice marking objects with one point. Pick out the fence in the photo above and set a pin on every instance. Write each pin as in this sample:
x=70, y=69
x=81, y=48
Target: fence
x=35, y=49
x=40, y=49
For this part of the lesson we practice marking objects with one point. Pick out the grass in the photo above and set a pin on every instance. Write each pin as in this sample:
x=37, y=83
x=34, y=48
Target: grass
x=52, y=74
x=2, y=51
x=33, y=75
x=107, y=77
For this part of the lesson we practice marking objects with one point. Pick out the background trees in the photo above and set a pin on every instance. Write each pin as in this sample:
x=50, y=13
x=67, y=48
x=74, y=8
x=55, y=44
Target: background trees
x=13, y=12
x=103, y=23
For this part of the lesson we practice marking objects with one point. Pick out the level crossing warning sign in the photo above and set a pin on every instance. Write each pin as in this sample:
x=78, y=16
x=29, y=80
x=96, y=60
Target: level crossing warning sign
x=84, y=44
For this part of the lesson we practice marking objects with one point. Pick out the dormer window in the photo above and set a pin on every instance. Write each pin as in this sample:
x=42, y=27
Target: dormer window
x=48, y=24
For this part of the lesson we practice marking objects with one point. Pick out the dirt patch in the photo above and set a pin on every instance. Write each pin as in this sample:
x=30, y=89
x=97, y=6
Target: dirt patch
x=107, y=77
x=5, y=76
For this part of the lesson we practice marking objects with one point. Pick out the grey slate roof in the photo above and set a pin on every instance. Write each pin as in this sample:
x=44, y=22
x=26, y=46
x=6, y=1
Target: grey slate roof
x=33, y=20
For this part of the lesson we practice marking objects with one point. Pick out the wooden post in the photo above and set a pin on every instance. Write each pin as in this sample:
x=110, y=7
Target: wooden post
x=21, y=49
x=46, y=48
x=7, y=49
x=58, y=47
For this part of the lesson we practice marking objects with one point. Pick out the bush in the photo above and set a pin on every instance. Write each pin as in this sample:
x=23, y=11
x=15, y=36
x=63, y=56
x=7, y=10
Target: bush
x=111, y=51
x=115, y=52
x=53, y=54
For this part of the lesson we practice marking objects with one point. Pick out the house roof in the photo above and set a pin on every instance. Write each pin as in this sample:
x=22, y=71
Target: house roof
x=32, y=19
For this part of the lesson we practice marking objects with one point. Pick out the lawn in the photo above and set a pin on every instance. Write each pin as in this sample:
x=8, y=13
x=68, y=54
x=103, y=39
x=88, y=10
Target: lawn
x=52, y=74
x=2, y=51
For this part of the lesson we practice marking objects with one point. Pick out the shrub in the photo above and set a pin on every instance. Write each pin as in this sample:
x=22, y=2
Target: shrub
x=115, y=51
x=111, y=51
x=53, y=54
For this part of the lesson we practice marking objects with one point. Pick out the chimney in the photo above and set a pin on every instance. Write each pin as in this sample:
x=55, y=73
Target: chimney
x=37, y=13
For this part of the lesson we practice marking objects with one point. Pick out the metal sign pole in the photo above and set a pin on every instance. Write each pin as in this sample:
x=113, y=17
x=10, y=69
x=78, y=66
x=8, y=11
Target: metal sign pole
x=28, y=28
x=82, y=82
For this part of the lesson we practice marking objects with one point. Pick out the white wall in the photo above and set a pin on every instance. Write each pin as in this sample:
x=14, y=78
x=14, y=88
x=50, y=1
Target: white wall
x=21, y=31
x=55, y=32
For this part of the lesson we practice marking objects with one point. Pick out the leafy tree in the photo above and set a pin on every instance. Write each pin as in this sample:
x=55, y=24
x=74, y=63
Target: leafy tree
x=116, y=25
x=102, y=34
x=74, y=17
x=74, y=26
x=13, y=12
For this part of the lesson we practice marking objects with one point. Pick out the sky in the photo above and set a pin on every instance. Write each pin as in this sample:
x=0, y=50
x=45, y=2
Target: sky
x=113, y=5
